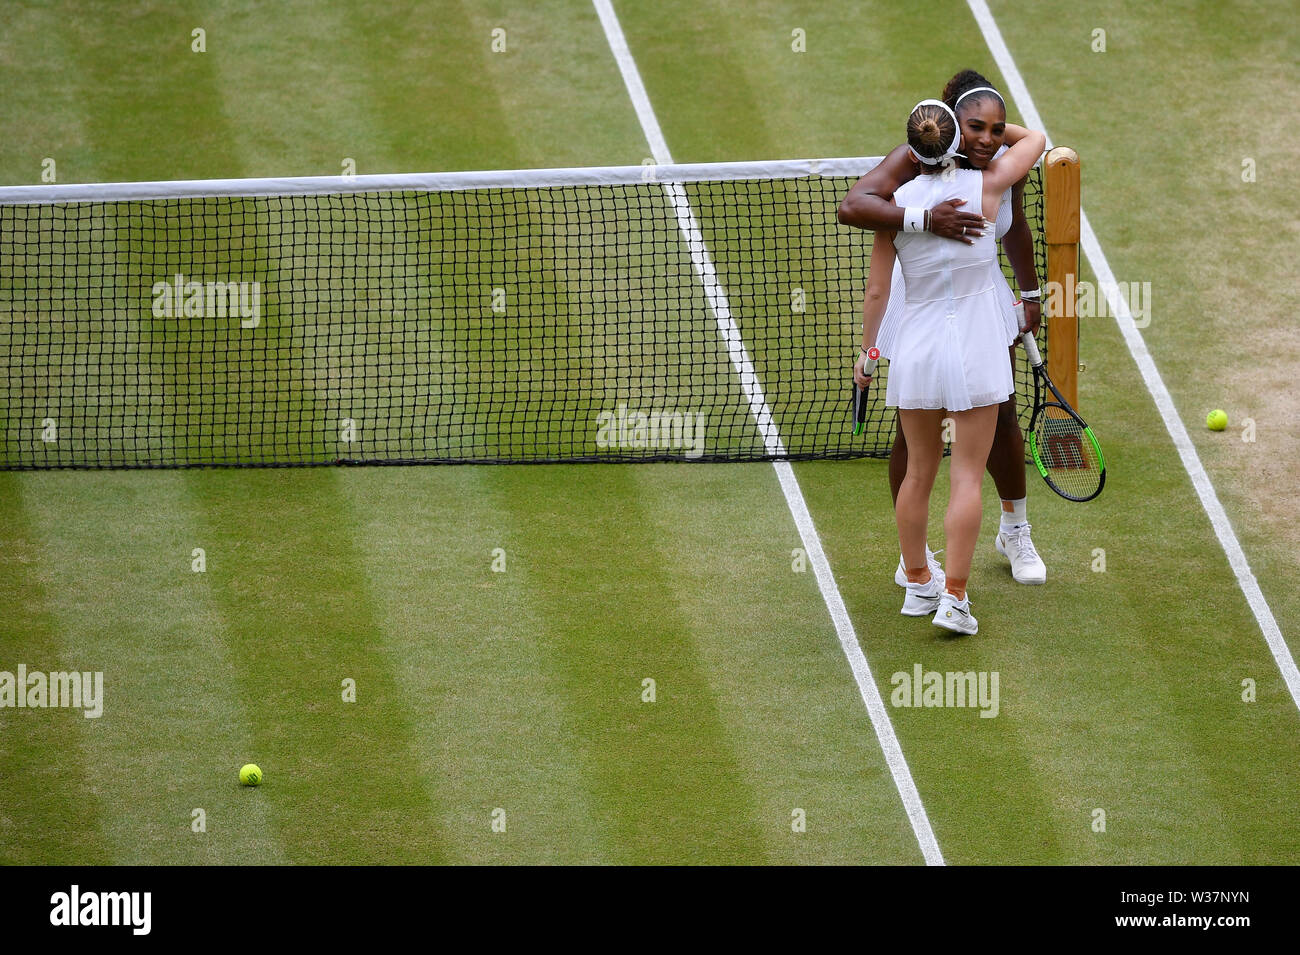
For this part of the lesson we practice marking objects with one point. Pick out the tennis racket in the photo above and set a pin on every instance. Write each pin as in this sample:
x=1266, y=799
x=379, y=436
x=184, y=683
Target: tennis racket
x=860, y=394
x=1064, y=448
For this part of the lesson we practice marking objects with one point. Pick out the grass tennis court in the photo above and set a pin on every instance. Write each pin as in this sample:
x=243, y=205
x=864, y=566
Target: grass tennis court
x=522, y=688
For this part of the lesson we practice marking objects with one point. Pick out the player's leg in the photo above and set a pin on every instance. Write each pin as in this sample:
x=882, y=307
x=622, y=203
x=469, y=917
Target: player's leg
x=1006, y=465
x=1007, y=468
x=972, y=437
x=897, y=458
x=898, y=471
x=912, y=507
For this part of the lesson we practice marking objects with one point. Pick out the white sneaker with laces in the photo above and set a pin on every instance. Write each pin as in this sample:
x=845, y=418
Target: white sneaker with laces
x=922, y=599
x=936, y=570
x=953, y=614
x=1015, y=544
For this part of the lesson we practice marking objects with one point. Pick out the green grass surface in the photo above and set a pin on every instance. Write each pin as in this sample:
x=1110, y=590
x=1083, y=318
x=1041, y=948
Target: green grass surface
x=522, y=690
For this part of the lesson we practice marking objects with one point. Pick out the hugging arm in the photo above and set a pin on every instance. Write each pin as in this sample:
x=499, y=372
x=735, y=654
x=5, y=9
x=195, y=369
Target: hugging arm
x=1013, y=165
x=869, y=203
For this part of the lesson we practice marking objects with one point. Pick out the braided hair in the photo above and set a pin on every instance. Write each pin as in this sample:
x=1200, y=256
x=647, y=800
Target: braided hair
x=963, y=81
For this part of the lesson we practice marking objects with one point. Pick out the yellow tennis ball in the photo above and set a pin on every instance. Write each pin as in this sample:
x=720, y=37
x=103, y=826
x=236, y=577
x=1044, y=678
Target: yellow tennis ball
x=1216, y=420
x=250, y=775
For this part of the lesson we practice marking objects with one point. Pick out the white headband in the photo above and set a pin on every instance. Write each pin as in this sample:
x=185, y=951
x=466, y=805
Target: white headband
x=978, y=89
x=956, y=132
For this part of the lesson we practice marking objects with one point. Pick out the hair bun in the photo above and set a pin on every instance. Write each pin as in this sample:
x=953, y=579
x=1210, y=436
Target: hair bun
x=930, y=128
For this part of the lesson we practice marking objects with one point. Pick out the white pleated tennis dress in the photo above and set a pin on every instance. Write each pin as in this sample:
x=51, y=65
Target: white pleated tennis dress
x=948, y=347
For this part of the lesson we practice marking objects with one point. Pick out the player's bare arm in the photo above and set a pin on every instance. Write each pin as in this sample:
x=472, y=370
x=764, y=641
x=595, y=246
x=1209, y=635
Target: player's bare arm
x=1019, y=246
x=879, y=277
x=1012, y=166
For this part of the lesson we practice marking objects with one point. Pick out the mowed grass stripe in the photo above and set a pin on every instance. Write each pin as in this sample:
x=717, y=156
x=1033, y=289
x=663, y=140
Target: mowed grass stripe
x=299, y=620
x=172, y=735
x=663, y=775
x=530, y=84
x=784, y=694
x=468, y=648
x=50, y=805
x=308, y=86
x=384, y=77
x=150, y=106
x=41, y=120
x=294, y=78
x=728, y=84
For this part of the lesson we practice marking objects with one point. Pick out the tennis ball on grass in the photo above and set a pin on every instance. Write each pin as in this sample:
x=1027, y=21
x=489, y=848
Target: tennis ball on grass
x=1216, y=420
x=250, y=775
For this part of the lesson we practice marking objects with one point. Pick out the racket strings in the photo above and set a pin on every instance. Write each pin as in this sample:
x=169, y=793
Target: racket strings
x=1067, y=452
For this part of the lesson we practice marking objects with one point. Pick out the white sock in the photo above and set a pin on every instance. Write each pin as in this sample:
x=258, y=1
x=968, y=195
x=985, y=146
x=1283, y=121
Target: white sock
x=1019, y=513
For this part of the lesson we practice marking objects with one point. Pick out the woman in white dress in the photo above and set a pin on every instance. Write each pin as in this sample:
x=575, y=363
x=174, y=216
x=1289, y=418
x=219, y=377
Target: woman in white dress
x=949, y=357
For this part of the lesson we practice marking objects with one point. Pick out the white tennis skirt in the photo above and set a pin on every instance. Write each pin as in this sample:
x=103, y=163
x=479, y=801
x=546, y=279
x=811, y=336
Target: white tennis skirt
x=951, y=356
x=888, y=330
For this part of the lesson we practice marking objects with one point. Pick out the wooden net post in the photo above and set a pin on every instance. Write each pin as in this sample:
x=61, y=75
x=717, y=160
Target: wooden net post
x=1061, y=185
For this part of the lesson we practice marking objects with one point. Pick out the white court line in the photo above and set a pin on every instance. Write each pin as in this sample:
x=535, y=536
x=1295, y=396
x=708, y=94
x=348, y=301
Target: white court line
x=1137, y=347
x=731, y=337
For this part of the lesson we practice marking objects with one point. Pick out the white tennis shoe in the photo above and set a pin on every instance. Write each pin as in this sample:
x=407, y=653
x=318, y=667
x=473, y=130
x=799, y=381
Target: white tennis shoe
x=1016, y=546
x=953, y=614
x=922, y=599
x=936, y=571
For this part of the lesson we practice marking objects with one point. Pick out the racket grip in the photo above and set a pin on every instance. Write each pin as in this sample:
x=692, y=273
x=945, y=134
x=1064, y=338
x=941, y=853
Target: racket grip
x=859, y=408
x=1027, y=338
x=1031, y=349
x=860, y=394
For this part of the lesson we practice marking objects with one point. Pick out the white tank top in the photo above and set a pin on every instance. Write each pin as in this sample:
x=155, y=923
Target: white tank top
x=894, y=309
x=941, y=270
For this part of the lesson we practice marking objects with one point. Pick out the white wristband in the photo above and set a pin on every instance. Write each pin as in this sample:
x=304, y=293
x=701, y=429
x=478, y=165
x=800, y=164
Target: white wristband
x=914, y=219
x=1033, y=295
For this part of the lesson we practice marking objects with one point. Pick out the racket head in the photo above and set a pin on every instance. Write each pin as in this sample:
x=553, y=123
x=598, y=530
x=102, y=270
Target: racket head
x=1066, y=453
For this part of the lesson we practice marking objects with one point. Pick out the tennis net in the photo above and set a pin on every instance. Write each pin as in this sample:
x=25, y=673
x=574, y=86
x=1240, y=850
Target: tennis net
x=691, y=312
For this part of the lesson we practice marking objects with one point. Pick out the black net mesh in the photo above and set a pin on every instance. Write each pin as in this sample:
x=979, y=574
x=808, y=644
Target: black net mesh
x=566, y=323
